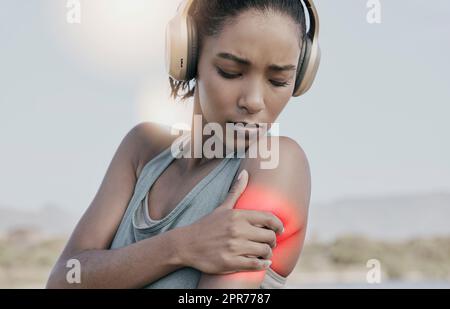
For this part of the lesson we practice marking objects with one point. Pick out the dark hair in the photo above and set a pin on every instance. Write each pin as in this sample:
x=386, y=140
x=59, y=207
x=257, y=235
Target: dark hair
x=210, y=17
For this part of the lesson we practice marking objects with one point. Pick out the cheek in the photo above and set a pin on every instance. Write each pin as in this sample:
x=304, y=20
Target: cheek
x=275, y=105
x=216, y=96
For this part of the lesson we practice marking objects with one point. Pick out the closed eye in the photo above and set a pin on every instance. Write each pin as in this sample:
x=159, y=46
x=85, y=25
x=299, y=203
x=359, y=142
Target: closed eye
x=227, y=75
x=233, y=76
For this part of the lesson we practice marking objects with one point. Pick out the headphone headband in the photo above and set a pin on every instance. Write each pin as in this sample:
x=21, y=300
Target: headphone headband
x=313, y=18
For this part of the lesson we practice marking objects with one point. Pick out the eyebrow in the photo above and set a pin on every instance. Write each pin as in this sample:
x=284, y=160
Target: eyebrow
x=272, y=67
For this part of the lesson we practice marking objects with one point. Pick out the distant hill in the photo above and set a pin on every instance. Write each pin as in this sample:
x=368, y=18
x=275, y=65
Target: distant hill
x=389, y=217
x=385, y=218
x=50, y=220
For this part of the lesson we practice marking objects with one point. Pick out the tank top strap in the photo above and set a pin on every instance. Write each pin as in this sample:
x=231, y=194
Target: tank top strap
x=150, y=172
x=153, y=168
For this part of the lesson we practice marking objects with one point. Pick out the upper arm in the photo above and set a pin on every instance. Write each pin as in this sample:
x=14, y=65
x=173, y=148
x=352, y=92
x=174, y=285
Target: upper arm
x=97, y=226
x=285, y=191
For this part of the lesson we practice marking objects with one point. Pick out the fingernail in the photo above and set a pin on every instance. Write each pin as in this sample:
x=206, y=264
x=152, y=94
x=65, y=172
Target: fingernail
x=240, y=175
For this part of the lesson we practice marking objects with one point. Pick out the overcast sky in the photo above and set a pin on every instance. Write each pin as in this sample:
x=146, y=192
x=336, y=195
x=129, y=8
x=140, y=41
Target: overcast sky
x=375, y=122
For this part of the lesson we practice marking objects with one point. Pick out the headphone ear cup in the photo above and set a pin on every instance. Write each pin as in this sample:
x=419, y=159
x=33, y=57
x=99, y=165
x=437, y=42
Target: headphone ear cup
x=191, y=63
x=303, y=66
x=181, y=44
x=309, y=68
x=176, y=48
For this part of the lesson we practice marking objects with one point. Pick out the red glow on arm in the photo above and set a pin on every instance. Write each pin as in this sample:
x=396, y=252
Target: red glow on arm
x=265, y=199
x=285, y=254
x=262, y=198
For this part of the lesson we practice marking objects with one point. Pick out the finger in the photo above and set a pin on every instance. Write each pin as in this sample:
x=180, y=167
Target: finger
x=257, y=249
x=265, y=219
x=249, y=264
x=261, y=235
x=236, y=190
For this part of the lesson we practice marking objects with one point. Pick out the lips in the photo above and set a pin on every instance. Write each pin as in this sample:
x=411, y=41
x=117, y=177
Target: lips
x=248, y=125
x=247, y=129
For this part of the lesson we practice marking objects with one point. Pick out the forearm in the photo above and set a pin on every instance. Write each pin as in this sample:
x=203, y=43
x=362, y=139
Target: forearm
x=132, y=266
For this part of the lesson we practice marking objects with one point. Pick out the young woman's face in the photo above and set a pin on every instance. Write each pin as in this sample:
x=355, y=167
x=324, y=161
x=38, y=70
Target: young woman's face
x=255, y=90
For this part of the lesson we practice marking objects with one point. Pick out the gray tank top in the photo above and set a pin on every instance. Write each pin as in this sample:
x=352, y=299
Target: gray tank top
x=206, y=195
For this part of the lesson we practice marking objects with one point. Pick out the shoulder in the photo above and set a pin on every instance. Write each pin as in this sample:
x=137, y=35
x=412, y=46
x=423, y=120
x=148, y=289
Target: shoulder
x=280, y=151
x=283, y=167
x=149, y=139
x=282, y=171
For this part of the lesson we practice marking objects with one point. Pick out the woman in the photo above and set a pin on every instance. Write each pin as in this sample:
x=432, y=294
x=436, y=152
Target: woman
x=163, y=220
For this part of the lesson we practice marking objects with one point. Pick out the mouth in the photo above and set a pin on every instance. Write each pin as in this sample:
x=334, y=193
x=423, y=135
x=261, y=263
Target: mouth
x=247, y=125
x=246, y=129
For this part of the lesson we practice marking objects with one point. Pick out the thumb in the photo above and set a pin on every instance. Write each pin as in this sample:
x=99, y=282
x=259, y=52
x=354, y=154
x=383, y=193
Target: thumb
x=236, y=190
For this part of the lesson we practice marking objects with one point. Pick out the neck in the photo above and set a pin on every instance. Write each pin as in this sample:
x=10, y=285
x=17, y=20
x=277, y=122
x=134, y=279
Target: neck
x=198, y=140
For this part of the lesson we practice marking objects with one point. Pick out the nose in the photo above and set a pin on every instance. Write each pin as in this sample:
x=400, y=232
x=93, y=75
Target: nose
x=252, y=99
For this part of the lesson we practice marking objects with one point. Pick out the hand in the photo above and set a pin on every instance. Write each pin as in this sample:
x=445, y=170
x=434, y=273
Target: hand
x=230, y=240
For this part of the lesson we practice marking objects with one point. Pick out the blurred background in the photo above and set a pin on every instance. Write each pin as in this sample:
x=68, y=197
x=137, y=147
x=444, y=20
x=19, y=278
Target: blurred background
x=375, y=127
